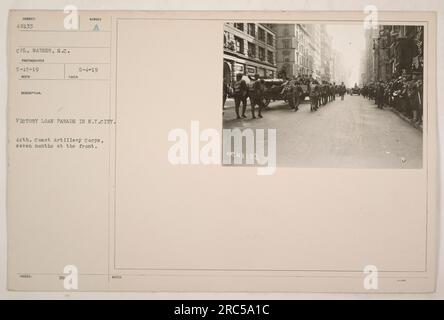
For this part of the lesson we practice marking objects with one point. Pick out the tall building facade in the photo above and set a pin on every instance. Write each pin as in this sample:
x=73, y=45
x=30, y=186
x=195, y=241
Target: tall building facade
x=392, y=51
x=326, y=55
x=249, y=48
x=303, y=49
x=314, y=31
x=291, y=50
x=368, y=64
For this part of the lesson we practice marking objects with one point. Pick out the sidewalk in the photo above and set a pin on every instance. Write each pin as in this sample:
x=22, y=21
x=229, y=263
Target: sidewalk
x=405, y=118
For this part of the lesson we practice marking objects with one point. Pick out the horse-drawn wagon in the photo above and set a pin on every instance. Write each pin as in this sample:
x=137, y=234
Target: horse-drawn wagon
x=278, y=89
x=281, y=90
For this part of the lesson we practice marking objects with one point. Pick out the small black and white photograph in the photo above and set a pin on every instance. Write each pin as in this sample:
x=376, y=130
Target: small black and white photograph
x=337, y=95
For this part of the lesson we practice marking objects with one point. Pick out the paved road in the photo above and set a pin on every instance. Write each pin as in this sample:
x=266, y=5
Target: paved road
x=343, y=134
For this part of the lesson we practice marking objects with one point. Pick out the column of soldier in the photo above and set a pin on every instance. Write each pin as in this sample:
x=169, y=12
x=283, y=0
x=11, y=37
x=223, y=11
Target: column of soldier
x=292, y=91
x=320, y=93
x=241, y=92
x=404, y=94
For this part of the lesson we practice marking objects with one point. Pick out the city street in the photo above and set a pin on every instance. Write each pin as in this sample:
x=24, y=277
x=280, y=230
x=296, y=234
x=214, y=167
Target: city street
x=342, y=134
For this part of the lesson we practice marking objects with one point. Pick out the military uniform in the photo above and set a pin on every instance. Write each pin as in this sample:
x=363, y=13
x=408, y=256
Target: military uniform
x=314, y=96
x=324, y=93
x=288, y=93
x=342, y=91
x=257, y=98
x=240, y=94
x=292, y=94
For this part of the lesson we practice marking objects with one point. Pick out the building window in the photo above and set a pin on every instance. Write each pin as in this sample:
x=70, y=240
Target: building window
x=226, y=37
x=251, y=29
x=286, y=43
x=251, y=70
x=261, y=54
x=261, y=34
x=239, y=44
x=261, y=72
x=239, y=68
x=251, y=50
x=270, y=57
x=286, y=32
x=270, y=39
x=239, y=26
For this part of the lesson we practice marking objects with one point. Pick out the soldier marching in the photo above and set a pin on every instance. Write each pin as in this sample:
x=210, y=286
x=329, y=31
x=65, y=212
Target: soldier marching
x=293, y=91
x=403, y=94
